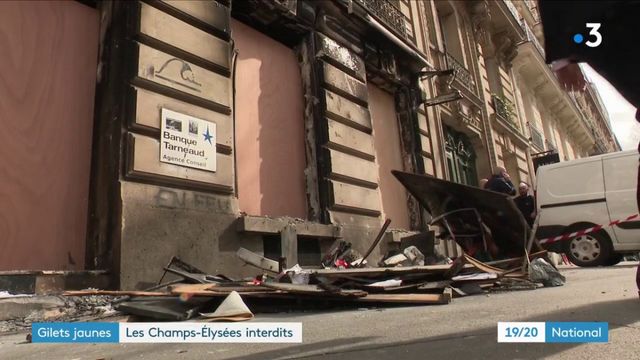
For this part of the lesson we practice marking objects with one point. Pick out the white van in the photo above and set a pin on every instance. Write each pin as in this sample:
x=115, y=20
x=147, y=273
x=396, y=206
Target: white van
x=579, y=194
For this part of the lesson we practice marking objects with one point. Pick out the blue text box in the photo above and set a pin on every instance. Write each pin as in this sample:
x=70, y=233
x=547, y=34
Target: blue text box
x=76, y=332
x=576, y=332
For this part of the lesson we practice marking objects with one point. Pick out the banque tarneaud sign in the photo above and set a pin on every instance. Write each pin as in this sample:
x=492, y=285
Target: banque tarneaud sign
x=187, y=141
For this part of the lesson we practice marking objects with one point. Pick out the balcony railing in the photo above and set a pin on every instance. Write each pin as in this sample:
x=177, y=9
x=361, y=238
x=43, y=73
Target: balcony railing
x=536, y=138
x=462, y=74
x=586, y=116
x=387, y=13
x=601, y=147
x=532, y=38
x=505, y=109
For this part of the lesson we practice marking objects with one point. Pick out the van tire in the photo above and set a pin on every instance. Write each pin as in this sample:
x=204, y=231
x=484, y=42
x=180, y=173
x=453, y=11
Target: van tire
x=589, y=250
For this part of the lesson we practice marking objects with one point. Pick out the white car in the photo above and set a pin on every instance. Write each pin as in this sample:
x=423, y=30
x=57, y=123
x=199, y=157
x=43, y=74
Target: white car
x=580, y=194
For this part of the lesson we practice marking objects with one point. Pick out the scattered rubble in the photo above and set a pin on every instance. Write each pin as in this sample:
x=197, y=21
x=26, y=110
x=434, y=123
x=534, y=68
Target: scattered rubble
x=486, y=225
x=218, y=298
x=19, y=316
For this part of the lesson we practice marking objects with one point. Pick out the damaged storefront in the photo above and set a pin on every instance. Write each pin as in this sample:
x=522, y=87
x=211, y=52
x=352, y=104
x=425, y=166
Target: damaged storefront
x=272, y=126
x=305, y=106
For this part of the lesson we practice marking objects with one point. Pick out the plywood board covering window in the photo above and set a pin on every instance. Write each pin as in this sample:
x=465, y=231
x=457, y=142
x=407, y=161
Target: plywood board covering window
x=388, y=156
x=269, y=126
x=47, y=86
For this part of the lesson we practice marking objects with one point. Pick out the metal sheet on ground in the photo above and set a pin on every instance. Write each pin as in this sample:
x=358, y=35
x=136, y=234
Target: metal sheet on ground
x=497, y=211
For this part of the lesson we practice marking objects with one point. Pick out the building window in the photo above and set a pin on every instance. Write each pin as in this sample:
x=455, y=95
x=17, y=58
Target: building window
x=461, y=158
x=450, y=30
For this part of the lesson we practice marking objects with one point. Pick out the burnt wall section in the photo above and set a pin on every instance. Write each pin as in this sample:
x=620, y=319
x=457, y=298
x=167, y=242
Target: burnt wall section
x=183, y=68
x=199, y=227
x=179, y=58
x=348, y=170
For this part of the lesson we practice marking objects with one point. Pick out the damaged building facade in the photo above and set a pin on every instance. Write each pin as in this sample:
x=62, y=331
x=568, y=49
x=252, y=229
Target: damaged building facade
x=307, y=106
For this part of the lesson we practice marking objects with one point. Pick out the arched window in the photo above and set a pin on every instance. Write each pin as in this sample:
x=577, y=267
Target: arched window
x=461, y=158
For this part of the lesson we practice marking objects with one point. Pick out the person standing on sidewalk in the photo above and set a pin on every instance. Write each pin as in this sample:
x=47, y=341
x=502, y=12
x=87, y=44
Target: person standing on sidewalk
x=526, y=203
x=500, y=182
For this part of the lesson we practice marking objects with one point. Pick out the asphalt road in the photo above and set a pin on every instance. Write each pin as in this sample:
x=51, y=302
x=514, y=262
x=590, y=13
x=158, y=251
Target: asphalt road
x=464, y=329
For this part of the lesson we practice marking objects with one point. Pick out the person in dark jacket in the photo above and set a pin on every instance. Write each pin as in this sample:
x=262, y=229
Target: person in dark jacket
x=500, y=182
x=525, y=203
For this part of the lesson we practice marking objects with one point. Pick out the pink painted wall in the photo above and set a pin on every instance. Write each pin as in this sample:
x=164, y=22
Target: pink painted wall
x=47, y=84
x=269, y=126
x=388, y=156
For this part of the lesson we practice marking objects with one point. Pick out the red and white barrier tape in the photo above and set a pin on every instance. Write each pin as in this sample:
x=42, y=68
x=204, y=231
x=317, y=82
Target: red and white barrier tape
x=586, y=231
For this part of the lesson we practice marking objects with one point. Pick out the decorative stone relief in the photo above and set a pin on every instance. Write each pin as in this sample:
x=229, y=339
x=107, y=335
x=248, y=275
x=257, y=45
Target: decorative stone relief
x=481, y=23
x=506, y=48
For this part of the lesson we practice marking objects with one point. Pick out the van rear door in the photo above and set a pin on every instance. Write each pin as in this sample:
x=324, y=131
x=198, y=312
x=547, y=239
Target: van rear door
x=621, y=174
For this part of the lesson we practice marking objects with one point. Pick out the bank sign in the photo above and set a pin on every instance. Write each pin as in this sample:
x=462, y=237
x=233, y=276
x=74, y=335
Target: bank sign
x=187, y=141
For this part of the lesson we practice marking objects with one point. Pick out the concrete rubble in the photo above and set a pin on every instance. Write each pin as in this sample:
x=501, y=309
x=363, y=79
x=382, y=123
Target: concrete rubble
x=18, y=312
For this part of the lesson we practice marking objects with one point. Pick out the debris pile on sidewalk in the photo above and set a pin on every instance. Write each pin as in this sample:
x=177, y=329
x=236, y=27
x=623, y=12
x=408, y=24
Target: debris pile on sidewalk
x=18, y=312
x=216, y=297
x=486, y=225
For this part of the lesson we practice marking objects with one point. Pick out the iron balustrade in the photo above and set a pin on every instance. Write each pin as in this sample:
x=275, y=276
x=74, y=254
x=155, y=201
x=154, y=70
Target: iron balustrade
x=536, y=138
x=462, y=74
x=386, y=12
x=533, y=39
x=506, y=110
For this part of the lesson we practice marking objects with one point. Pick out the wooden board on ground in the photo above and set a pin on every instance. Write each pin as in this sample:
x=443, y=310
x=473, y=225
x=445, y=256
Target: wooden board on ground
x=256, y=260
x=312, y=290
x=114, y=293
x=216, y=290
x=443, y=298
x=482, y=266
x=378, y=271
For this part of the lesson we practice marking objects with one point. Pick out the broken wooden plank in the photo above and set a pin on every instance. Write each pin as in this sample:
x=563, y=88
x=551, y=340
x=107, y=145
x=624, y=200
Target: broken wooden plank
x=214, y=289
x=312, y=290
x=481, y=266
x=258, y=261
x=429, y=285
x=475, y=277
x=443, y=298
x=378, y=271
x=114, y=293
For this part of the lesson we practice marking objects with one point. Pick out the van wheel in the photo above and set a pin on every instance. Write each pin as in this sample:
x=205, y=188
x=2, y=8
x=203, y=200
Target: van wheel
x=589, y=250
x=614, y=259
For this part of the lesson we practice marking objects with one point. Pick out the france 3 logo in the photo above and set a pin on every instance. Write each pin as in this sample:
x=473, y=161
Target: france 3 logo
x=594, y=32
